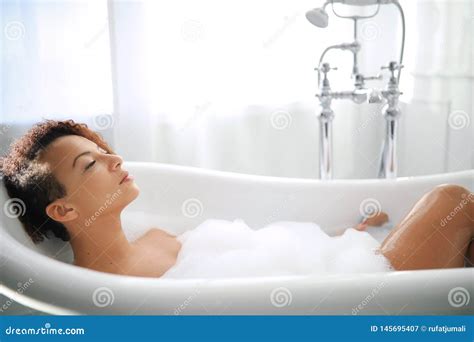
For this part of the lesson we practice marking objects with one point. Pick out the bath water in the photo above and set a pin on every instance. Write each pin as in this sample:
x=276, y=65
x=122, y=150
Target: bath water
x=219, y=248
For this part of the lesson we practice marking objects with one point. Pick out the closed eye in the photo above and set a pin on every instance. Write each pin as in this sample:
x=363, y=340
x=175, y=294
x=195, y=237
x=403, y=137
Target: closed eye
x=89, y=165
x=101, y=150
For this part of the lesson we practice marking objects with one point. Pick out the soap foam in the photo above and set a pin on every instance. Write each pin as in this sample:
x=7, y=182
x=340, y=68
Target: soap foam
x=221, y=248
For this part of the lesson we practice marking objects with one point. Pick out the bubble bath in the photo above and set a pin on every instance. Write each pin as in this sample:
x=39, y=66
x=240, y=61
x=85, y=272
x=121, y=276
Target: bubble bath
x=221, y=249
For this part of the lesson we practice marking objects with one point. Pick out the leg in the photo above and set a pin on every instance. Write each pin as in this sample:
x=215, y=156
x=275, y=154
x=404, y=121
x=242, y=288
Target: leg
x=436, y=233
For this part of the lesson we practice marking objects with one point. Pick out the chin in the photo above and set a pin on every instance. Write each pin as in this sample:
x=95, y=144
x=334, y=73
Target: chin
x=132, y=193
x=126, y=198
x=123, y=196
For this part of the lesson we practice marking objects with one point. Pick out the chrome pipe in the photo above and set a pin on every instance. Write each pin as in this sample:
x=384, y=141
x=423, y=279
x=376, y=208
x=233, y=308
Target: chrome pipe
x=388, y=164
x=325, y=147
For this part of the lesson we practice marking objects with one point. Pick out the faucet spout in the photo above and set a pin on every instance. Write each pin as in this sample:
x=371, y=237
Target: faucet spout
x=391, y=112
x=388, y=159
x=325, y=146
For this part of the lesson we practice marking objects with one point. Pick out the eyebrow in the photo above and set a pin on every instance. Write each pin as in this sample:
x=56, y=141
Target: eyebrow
x=80, y=155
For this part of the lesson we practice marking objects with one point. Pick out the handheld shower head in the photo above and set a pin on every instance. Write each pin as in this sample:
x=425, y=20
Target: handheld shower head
x=363, y=2
x=318, y=17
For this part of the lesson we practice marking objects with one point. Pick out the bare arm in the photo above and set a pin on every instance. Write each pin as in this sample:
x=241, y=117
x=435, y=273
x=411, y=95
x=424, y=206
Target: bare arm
x=375, y=220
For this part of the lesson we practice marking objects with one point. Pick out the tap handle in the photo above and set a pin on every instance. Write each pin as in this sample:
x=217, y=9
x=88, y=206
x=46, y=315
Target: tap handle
x=325, y=68
x=392, y=66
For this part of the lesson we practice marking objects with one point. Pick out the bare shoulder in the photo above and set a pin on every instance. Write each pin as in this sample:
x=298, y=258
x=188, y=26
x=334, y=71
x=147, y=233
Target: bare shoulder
x=153, y=235
x=159, y=232
x=156, y=251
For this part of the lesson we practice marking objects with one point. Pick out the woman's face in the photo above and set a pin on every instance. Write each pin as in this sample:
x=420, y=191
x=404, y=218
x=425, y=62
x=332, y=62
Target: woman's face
x=94, y=180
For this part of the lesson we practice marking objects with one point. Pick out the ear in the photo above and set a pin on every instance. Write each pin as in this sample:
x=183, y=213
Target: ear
x=61, y=211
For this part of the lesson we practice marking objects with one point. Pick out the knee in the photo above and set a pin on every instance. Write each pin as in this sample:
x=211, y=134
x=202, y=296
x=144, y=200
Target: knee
x=453, y=191
x=455, y=194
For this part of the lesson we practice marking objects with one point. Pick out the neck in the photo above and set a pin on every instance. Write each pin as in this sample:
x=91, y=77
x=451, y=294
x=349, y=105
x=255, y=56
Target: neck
x=101, y=242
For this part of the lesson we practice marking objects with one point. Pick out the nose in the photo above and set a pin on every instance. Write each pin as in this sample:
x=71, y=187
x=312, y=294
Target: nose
x=115, y=162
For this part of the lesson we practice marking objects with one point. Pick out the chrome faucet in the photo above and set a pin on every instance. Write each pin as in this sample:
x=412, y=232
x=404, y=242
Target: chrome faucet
x=391, y=112
x=360, y=94
x=325, y=124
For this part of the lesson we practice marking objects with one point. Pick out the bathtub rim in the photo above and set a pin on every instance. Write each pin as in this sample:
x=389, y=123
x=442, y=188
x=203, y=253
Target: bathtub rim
x=148, y=283
x=292, y=180
x=65, y=269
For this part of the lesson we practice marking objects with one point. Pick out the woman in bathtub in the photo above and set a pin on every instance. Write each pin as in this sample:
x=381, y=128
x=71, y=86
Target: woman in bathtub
x=64, y=172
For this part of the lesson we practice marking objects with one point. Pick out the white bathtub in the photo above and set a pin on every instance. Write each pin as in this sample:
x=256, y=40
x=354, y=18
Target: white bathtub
x=184, y=197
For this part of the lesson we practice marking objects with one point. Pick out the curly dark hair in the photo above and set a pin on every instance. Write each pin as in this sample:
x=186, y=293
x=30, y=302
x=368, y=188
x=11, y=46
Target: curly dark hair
x=27, y=179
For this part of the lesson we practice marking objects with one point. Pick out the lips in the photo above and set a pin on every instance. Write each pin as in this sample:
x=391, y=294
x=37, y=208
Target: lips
x=125, y=176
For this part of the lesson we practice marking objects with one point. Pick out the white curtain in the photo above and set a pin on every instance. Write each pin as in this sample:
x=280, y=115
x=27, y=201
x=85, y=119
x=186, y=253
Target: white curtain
x=55, y=59
x=231, y=86
x=219, y=86
x=54, y=63
x=441, y=73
